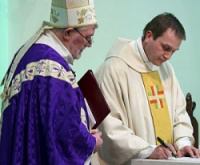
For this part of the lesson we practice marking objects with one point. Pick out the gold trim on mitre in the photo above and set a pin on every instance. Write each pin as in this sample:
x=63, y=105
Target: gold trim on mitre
x=77, y=3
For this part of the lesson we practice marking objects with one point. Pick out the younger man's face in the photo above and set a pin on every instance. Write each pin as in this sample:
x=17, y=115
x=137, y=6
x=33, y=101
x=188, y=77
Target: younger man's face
x=161, y=49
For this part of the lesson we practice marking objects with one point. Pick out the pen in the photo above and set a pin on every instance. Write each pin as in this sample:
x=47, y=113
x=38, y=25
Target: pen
x=163, y=144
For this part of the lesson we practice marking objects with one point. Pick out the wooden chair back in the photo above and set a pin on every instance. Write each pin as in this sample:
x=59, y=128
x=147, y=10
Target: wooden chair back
x=190, y=106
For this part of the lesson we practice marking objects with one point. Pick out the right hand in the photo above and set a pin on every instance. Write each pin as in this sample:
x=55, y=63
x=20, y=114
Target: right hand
x=162, y=153
x=99, y=141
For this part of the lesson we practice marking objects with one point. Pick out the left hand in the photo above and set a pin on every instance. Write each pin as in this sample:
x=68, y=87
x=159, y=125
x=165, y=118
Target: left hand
x=189, y=151
x=99, y=141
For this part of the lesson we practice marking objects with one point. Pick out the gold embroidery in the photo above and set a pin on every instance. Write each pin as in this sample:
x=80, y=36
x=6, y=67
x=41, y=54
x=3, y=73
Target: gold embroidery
x=54, y=15
x=83, y=117
x=84, y=16
x=158, y=105
x=41, y=68
x=4, y=94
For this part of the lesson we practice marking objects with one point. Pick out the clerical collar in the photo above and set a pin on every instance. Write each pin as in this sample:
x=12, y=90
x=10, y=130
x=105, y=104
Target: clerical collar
x=50, y=39
x=137, y=45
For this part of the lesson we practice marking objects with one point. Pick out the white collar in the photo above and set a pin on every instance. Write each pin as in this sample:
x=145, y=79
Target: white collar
x=137, y=45
x=50, y=39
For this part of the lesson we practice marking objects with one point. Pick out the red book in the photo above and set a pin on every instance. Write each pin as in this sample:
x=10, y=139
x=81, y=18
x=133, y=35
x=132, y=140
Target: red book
x=92, y=93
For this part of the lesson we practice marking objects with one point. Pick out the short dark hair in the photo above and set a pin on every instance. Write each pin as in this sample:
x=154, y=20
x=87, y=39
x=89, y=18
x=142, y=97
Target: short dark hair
x=161, y=23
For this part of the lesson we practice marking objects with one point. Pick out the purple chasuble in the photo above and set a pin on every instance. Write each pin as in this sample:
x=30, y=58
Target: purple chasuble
x=42, y=124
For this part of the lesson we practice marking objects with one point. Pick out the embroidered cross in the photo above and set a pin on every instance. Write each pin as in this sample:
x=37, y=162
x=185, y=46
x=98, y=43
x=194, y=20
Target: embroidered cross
x=156, y=97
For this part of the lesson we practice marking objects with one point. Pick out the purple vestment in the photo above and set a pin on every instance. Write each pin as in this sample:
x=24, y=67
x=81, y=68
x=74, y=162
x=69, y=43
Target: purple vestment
x=42, y=124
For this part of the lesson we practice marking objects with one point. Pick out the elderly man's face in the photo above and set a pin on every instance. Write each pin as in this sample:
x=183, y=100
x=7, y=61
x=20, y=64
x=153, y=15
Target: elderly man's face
x=161, y=49
x=79, y=41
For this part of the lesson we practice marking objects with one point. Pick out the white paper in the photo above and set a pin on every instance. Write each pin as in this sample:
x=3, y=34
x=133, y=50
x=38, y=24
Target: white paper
x=91, y=117
x=185, y=159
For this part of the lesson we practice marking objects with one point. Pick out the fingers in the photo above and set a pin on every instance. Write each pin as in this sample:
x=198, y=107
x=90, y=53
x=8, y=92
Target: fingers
x=167, y=153
x=194, y=152
x=100, y=133
x=172, y=148
x=160, y=153
x=189, y=151
x=99, y=141
x=93, y=131
x=197, y=153
x=96, y=131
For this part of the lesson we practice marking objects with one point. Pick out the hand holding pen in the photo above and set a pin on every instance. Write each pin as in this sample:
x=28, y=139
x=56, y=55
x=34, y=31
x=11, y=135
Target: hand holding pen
x=166, y=146
x=161, y=152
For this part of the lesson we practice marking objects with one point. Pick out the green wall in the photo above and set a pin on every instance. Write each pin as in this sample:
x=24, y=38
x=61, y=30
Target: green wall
x=116, y=18
x=3, y=41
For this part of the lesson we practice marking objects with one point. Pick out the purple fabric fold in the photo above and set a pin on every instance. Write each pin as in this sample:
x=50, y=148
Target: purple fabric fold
x=42, y=124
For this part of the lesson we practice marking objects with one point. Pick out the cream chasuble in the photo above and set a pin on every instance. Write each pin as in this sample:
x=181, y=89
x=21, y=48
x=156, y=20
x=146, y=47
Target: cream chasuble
x=129, y=128
x=158, y=105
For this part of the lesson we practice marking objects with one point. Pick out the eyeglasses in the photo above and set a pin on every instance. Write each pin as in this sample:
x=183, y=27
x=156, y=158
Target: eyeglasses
x=89, y=40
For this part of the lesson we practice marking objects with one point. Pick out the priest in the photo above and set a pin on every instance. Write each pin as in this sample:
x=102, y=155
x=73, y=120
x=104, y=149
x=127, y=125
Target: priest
x=145, y=97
